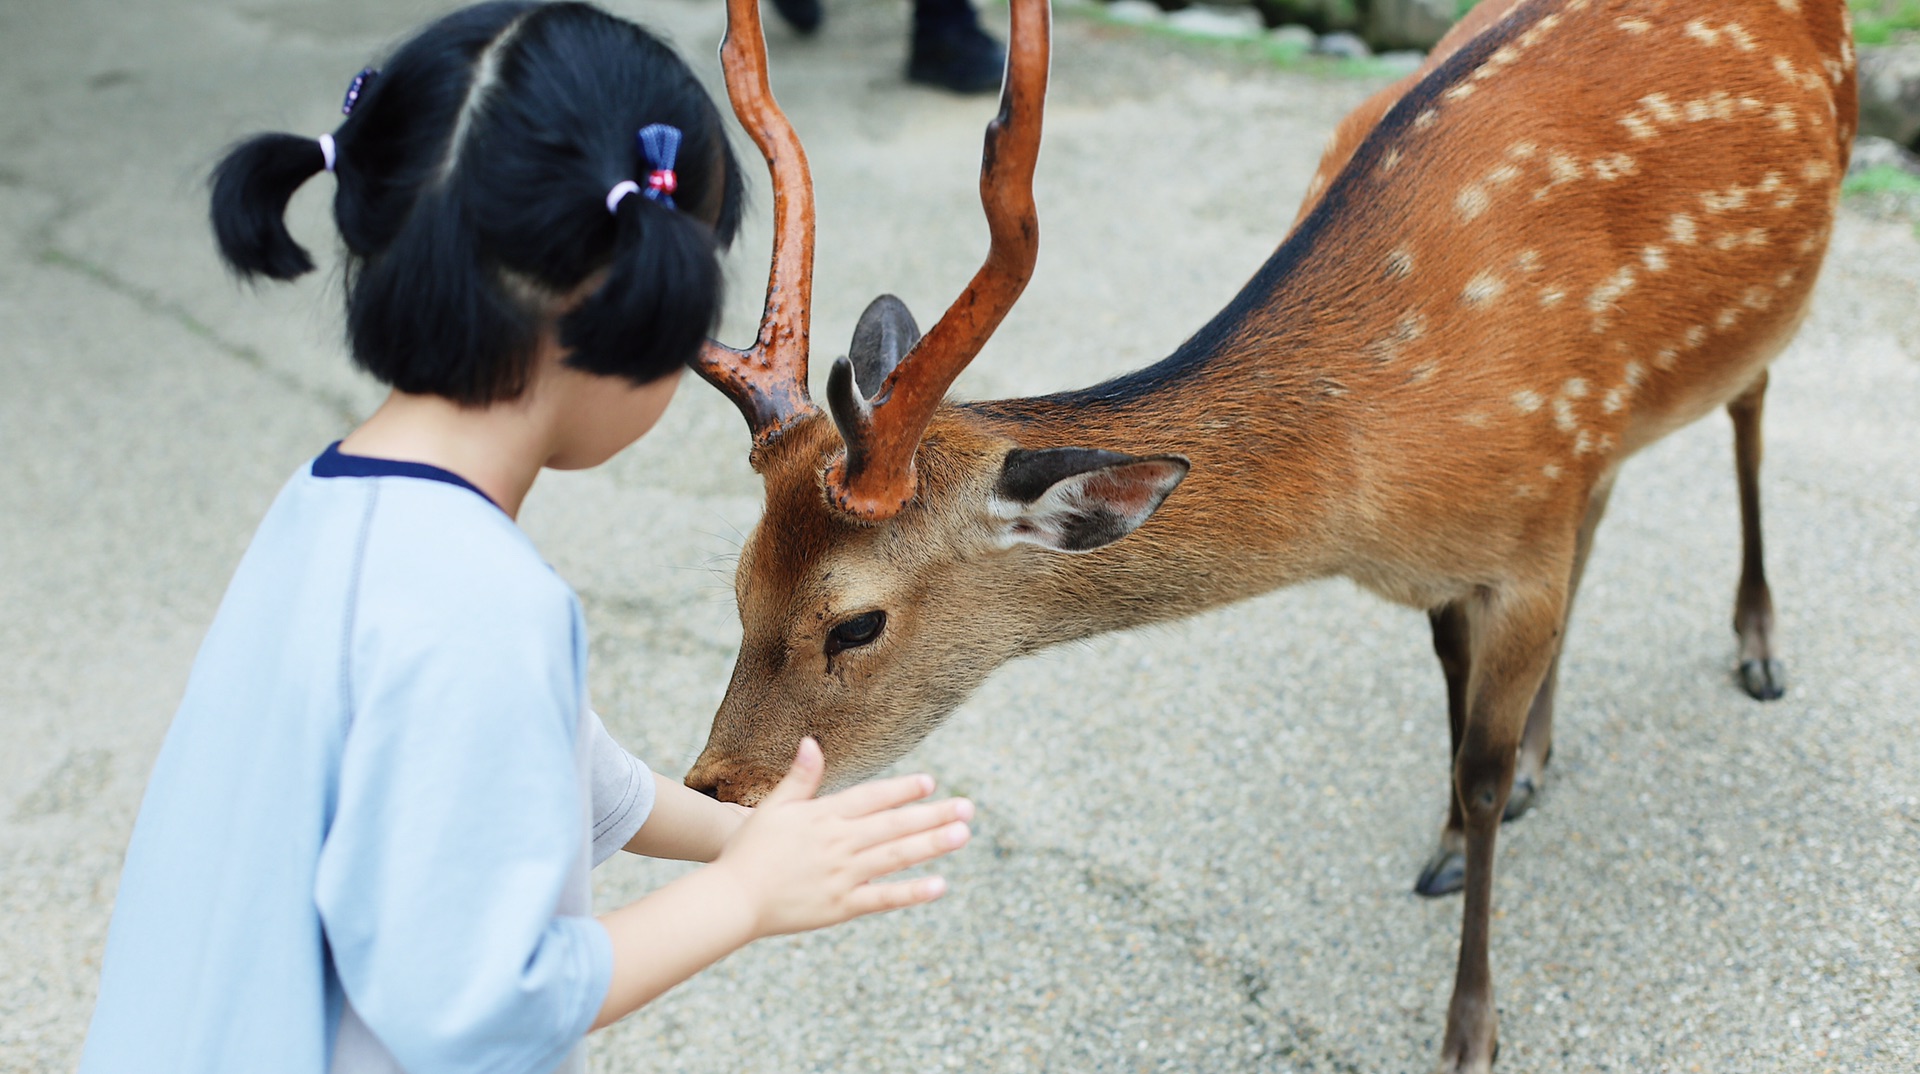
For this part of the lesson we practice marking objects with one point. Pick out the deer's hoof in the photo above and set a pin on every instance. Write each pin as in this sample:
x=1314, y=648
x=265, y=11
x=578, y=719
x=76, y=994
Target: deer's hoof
x=1520, y=799
x=1446, y=873
x=1764, y=679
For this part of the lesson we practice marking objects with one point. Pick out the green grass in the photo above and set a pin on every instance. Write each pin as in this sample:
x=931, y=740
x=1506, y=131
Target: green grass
x=1883, y=179
x=1875, y=22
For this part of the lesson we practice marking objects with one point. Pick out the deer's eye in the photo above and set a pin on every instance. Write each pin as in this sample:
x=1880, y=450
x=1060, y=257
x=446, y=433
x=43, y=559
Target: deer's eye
x=855, y=632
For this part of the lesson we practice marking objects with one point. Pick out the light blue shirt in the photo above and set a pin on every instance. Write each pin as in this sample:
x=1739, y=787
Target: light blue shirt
x=366, y=840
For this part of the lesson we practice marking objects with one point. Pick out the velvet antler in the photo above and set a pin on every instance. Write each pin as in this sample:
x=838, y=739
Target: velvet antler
x=768, y=381
x=875, y=478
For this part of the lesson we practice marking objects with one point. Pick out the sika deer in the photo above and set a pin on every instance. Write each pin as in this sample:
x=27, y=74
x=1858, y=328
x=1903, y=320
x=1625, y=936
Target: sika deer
x=1582, y=225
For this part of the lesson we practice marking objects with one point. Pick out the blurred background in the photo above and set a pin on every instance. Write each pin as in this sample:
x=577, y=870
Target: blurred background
x=1196, y=843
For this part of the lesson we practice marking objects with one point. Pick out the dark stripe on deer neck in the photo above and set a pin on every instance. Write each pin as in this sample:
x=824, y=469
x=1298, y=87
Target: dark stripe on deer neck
x=1272, y=318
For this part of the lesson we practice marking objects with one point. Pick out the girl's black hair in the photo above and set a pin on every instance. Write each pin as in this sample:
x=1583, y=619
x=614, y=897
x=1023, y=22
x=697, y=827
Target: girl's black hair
x=473, y=174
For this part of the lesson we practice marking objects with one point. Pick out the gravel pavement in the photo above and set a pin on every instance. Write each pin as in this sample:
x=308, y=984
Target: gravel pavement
x=1196, y=843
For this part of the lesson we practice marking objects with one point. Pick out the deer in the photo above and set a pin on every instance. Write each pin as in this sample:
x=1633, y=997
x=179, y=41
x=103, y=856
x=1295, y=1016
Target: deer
x=1578, y=227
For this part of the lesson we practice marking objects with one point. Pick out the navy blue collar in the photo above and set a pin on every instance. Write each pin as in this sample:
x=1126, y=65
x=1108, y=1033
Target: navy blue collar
x=335, y=463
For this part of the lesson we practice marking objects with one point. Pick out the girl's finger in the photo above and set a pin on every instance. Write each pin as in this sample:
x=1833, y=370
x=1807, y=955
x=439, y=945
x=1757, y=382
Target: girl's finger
x=877, y=898
x=884, y=827
x=906, y=852
x=880, y=794
x=802, y=779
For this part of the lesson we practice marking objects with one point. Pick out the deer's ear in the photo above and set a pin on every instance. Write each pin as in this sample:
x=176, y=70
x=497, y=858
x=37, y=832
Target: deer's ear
x=883, y=336
x=1079, y=499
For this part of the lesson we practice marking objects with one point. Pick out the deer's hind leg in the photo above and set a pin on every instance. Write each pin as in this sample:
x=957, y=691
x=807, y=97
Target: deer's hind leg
x=1761, y=673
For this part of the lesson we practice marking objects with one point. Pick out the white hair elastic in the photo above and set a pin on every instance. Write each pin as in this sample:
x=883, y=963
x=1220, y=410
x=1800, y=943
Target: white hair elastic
x=327, y=149
x=620, y=190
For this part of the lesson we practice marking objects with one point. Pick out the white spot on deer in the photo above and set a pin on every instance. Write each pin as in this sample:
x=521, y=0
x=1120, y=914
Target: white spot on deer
x=1425, y=119
x=1836, y=71
x=1476, y=418
x=1769, y=183
x=1421, y=373
x=1738, y=34
x=1482, y=289
x=1695, y=336
x=1817, y=170
x=1787, y=199
x=1697, y=111
x=1472, y=201
x=1701, y=32
x=1460, y=92
x=1682, y=228
x=1655, y=258
x=1790, y=5
x=1785, y=117
x=1665, y=357
x=1614, y=166
x=1574, y=388
x=1563, y=417
x=1602, y=298
x=1524, y=491
x=1527, y=261
x=1785, y=279
x=1551, y=471
x=1757, y=298
x=1749, y=104
x=1846, y=50
x=1639, y=126
x=1410, y=327
x=1526, y=402
x=1660, y=107
x=1583, y=443
x=1399, y=263
x=1634, y=26
x=1539, y=30
x=1502, y=174
x=1615, y=399
x=1716, y=201
x=1390, y=160
x=1635, y=374
x=1522, y=150
x=1551, y=297
x=1728, y=318
x=1563, y=168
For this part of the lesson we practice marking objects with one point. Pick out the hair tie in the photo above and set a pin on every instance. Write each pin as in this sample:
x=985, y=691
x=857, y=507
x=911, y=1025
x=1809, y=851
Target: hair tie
x=328, y=150
x=620, y=190
x=659, y=147
x=353, y=89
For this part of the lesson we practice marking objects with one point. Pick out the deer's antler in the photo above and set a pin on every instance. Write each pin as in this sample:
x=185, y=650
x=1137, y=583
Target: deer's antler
x=768, y=381
x=875, y=479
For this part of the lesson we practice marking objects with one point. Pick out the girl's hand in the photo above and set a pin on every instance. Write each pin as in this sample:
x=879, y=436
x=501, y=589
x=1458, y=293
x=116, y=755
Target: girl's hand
x=805, y=862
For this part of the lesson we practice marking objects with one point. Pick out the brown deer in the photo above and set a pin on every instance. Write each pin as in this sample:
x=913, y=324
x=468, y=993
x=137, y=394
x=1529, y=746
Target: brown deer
x=1582, y=225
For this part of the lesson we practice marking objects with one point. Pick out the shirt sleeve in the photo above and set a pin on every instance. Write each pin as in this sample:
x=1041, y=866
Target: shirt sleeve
x=622, y=792
x=459, y=832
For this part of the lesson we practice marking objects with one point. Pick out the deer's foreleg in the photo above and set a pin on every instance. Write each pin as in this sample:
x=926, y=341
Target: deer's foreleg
x=1446, y=870
x=1514, y=635
x=1536, y=745
x=1761, y=673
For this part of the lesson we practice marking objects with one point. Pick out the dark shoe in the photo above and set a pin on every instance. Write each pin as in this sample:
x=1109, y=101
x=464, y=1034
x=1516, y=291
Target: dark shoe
x=803, y=15
x=964, y=59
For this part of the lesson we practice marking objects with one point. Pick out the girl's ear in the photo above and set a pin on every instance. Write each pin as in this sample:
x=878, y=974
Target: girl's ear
x=659, y=302
x=251, y=187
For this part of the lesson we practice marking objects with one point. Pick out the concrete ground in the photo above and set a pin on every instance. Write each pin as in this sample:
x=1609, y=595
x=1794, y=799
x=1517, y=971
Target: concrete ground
x=1196, y=844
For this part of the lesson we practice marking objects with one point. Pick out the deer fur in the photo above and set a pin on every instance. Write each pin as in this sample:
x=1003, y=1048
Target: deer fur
x=1582, y=225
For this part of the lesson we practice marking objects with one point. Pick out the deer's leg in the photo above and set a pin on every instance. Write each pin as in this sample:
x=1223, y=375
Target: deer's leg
x=1447, y=869
x=1761, y=673
x=1515, y=635
x=1536, y=746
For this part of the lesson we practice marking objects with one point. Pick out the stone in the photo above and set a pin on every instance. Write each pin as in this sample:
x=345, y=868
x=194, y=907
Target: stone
x=1890, y=92
x=1408, y=24
x=1342, y=45
x=1134, y=11
x=1872, y=151
x=1402, y=60
x=1293, y=36
x=1205, y=21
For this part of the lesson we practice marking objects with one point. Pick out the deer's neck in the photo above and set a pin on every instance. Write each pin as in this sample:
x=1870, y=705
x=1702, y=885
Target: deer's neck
x=1267, y=430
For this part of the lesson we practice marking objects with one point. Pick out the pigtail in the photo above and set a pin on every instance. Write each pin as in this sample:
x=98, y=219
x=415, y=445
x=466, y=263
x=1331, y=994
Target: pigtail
x=660, y=302
x=251, y=187
x=426, y=316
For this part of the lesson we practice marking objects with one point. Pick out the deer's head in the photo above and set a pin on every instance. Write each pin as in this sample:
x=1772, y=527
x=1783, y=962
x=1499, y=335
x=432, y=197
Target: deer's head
x=888, y=574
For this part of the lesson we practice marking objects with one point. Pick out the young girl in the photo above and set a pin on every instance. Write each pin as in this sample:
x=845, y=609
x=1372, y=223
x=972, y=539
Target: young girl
x=365, y=843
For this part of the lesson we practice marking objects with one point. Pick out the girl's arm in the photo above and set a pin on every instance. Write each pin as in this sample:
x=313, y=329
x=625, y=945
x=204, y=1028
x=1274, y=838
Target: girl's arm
x=797, y=863
x=685, y=825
